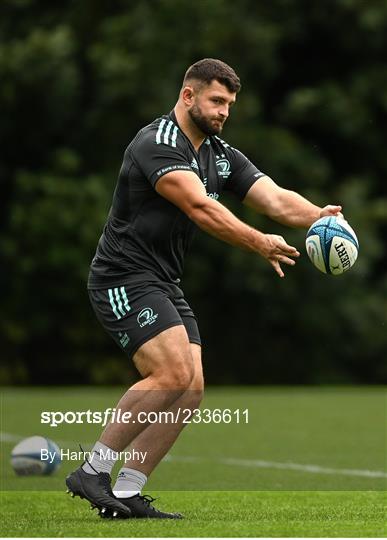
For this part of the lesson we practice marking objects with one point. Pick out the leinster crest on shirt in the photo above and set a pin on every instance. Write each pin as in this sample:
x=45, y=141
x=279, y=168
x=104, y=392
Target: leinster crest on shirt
x=223, y=167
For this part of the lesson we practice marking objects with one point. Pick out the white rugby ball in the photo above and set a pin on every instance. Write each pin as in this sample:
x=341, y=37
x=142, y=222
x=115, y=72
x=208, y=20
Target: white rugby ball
x=35, y=456
x=332, y=245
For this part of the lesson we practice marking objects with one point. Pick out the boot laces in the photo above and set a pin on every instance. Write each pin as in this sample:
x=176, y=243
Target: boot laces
x=103, y=478
x=104, y=481
x=147, y=500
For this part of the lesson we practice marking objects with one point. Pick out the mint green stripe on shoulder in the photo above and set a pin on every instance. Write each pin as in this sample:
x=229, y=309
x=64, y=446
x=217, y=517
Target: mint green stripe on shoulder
x=174, y=136
x=159, y=131
x=167, y=131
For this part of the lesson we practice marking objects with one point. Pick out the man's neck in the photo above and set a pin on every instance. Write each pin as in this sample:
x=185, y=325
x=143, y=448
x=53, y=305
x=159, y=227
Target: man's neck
x=187, y=126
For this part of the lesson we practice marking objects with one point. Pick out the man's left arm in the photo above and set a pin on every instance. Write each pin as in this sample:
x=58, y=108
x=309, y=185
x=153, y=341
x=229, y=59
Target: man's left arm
x=285, y=206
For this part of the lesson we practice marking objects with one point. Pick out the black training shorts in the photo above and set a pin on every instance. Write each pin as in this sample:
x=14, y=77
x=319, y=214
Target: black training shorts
x=133, y=315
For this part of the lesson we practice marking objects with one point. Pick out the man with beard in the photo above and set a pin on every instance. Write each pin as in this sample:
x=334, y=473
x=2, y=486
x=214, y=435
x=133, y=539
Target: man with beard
x=172, y=175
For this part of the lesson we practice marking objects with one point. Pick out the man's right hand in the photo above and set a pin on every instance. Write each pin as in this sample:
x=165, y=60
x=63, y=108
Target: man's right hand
x=275, y=249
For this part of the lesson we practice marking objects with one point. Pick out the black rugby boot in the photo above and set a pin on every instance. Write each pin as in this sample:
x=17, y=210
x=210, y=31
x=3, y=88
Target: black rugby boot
x=96, y=488
x=140, y=507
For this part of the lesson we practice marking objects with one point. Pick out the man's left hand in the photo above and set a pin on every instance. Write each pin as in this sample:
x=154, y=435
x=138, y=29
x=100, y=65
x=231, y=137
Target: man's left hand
x=332, y=210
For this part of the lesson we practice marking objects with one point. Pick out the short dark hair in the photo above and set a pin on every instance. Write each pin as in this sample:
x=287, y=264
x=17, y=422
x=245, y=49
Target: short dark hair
x=210, y=69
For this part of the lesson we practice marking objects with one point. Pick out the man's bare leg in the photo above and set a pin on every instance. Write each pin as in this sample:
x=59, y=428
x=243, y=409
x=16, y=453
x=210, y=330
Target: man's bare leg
x=157, y=439
x=166, y=365
x=154, y=442
x=167, y=368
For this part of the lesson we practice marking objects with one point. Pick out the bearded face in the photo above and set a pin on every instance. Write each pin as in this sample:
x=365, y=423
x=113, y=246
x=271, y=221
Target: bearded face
x=208, y=105
x=209, y=125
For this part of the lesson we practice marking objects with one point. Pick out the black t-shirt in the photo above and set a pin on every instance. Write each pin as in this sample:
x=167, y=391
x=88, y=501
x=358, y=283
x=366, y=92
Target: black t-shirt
x=146, y=237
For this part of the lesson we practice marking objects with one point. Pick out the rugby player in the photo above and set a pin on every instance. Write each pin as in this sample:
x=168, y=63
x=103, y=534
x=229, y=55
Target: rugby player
x=172, y=175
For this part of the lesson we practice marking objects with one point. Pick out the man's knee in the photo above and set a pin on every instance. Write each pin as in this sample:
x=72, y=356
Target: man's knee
x=180, y=376
x=167, y=359
x=177, y=373
x=195, y=392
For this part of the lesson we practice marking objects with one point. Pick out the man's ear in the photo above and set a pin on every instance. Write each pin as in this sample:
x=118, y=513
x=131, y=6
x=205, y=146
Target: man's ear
x=187, y=95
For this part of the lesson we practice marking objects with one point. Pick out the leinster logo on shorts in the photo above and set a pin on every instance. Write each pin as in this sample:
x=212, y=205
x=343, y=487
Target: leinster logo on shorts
x=223, y=166
x=146, y=317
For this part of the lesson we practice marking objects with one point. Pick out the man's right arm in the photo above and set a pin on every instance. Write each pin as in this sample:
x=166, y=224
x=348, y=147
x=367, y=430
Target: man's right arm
x=185, y=190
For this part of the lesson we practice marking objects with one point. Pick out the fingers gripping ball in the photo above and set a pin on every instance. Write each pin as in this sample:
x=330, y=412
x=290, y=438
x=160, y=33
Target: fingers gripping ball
x=332, y=245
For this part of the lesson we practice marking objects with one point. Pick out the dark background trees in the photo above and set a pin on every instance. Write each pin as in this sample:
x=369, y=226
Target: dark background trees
x=78, y=79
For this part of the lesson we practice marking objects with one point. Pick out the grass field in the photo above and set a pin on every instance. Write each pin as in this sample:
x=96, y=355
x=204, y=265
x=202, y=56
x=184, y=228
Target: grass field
x=310, y=462
x=223, y=514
